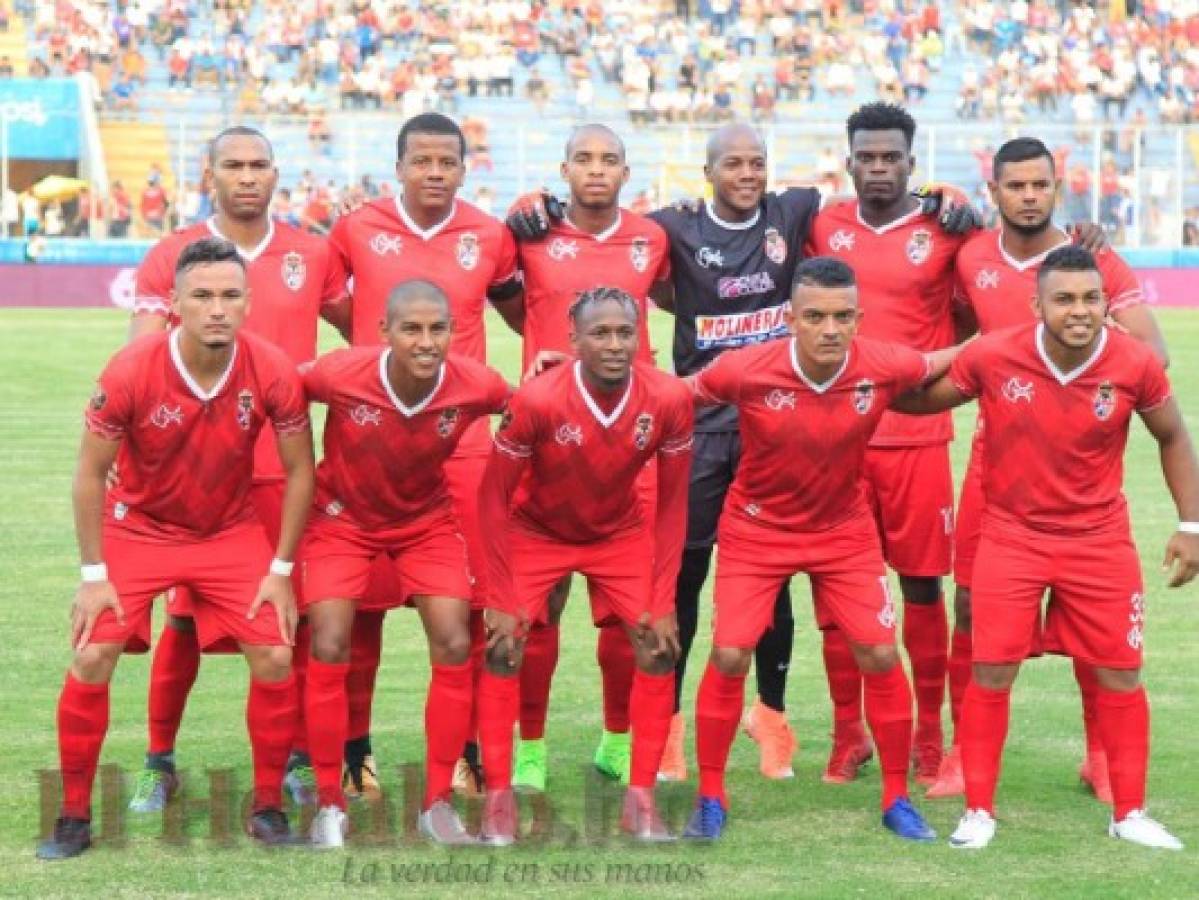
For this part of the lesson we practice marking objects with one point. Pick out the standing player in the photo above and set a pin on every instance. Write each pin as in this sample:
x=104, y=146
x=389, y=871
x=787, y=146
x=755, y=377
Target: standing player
x=1057, y=398
x=996, y=277
x=395, y=415
x=294, y=279
x=808, y=407
x=181, y=412
x=595, y=242
x=581, y=435
x=425, y=232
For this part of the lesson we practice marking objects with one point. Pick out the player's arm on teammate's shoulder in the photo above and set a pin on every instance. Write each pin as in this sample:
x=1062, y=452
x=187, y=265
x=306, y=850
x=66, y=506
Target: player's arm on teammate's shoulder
x=508, y=299
x=533, y=213
x=143, y=323
x=1181, y=471
x=97, y=455
x=716, y=383
x=339, y=314
x=1091, y=236
x=941, y=393
x=662, y=293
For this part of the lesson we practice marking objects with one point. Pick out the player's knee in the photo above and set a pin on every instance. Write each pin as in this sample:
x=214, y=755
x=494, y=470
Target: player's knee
x=451, y=648
x=921, y=590
x=269, y=663
x=995, y=677
x=1119, y=680
x=95, y=662
x=732, y=661
x=961, y=609
x=181, y=623
x=331, y=646
x=876, y=658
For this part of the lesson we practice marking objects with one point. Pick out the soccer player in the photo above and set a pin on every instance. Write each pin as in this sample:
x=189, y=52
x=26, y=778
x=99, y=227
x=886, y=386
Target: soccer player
x=294, y=279
x=1057, y=397
x=581, y=435
x=596, y=242
x=181, y=411
x=425, y=232
x=395, y=415
x=807, y=409
x=996, y=275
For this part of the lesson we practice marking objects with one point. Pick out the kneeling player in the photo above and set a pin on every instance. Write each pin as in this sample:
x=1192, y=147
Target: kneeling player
x=181, y=412
x=395, y=416
x=583, y=433
x=1058, y=397
x=808, y=407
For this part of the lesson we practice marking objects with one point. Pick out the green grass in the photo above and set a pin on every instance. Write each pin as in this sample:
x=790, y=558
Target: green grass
x=801, y=838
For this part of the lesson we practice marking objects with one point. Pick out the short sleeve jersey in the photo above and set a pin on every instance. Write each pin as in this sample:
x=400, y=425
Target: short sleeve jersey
x=804, y=443
x=383, y=459
x=187, y=456
x=292, y=275
x=1053, y=451
x=632, y=255
x=732, y=281
x=905, y=276
x=582, y=462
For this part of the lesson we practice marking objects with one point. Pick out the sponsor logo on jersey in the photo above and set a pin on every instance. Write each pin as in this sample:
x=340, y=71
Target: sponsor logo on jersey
x=752, y=510
x=119, y=511
x=99, y=399
x=1136, y=634
x=986, y=278
x=560, y=249
x=732, y=287
x=467, y=250
x=841, y=240
x=245, y=409
x=740, y=329
x=709, y=257
x=1015, y=390
x=775, y=247
x=569, y=434
x=1105, y=401
x=780, y=399
x=383, y=243
x=362, y=415
x=165, y=416
x=919, y=247
x=643, y=429
x=334, y=507
x=639, y=253
x=293, y=270
x=447, y=421
x=863, y=396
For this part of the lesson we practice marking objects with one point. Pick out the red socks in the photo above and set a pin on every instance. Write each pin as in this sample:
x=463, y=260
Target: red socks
x=926, y=638
x=299, y=666
x=325, y=698
x=271, y=720
x=844, y=680
x=617, y=662
x=478, y=659
x=172, y=674
x=652, y=705
x=366, y=647
x=717, y=712
x=536, y=673
x=960, y=664
x=447, y=719
x=499, y=701
x=889, y=713
x=1088, y=687
x=82, y=724
x=983, y=732
x=1123, y=724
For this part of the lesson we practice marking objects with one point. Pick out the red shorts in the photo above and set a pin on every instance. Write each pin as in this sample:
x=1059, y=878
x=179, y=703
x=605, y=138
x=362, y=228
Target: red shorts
x=910, y=492
x=619, y=572
x=427, y=555
x=1097, y=609
x=969, y=523
x=223, y=573
x=845, y=565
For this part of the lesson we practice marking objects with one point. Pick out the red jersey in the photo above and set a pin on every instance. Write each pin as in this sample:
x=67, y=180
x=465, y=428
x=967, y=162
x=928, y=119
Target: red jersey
x=292, y=275
x=631, y=255
x=382, y=463
x=153, y=203
x=187, y=456
x=905, y=275
x=804, y=443
x=1000, y=289
x=1053, y=448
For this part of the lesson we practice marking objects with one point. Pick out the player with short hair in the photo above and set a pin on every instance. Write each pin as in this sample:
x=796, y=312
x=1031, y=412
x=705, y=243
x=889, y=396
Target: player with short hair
x=181, y=411
x=294, y=279
x=580, y=436
x=1057, y=397
x=395, y=415
x=807, y=407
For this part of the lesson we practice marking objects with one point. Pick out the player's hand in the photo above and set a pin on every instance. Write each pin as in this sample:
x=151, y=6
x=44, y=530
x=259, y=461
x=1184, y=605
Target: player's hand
x=349, y=203
x=276, y=590
x=1089, y=236
x=952, y=208
x=1182, y=558
x=688, y=205
x=501, y=626
x=664, y=632
x=113, y=478
x=531, y=215
x=544, y=360
x=92, y=598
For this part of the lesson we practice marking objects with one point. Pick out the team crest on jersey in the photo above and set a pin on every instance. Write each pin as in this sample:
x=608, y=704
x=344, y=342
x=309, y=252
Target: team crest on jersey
x=841, y=240
x=245, y=409
x=99, y=399
x=447, y=421
x=775, y=247
x=863, y=396
x=467, y=250
x=363, y=415
x=560, y=249
x=569, y=434
x=639, y=253
x=920, y=246
x=1105, y=401
x=643, y=429
x=986, y=278
x=1015, y=390
x=384, y=244
x=709, y=258
x=294, y=271
x=165, y=416
x=779, y=399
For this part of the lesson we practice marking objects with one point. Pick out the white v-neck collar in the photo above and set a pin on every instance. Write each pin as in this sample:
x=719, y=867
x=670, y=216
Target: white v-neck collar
x=407, y=411
x=890, y=226
x=733, y=226
x=824, y=385
x=248, y=255
x=425, y=234
x=1026, y=264
x=1067, y=377
x=177, y=360
x=603, y=235
x=605, y=420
